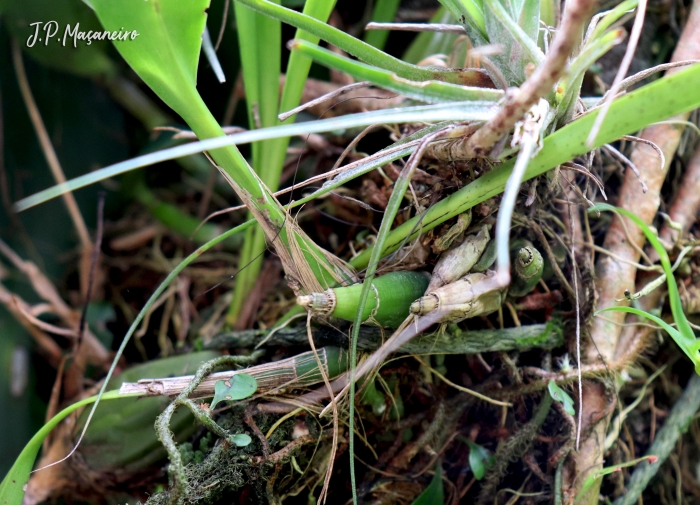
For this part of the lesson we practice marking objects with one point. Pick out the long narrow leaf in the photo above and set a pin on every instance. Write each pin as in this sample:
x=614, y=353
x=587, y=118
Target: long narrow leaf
x=527, y=44
x=571, y=85
x=426, y=91
x=11, y=489
x=260, y=40
x=471, y=14
x=362, y=50
x=464, y=111
x=657, y=101
x=684, y=336
x=12, y=486
x=612, y=16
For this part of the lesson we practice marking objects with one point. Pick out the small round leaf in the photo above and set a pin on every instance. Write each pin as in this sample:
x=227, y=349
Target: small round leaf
x=480, y=459
x=238, y=387
x=240, y=439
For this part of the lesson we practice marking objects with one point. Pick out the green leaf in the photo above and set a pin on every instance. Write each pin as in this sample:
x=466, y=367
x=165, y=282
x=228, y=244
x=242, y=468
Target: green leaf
x=238, y=387
x=684, y=334
x=599, y=474
x=518, y=48
x=363, y=51
x=434, y=493
x=464, y=111
x=425, y=91
x=561, y=396
x=654, y=102
x=612, y=16
x=384, y=12
x=571, y=84
x=299, y=65
x=260, y=42
x=471, y=14
x=240, y=440
x=529, y=18
x=480, y=459
x=166, y=52
x=12, y=486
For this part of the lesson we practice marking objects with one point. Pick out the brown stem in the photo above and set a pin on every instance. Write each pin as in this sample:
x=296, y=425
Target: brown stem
x=686, y=204
x=615, y=276
x=540, y=83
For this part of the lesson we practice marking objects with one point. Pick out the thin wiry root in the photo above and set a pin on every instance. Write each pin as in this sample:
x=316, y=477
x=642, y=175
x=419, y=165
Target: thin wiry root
x=617, y=154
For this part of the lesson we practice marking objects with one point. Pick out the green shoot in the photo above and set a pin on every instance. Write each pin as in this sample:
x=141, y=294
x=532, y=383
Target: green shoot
x=561, y=396
x=683, y=335
x=599, y=474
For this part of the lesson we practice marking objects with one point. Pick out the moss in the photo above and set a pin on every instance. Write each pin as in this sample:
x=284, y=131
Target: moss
x=553, y=327
x=217, y=475
x=218, y=470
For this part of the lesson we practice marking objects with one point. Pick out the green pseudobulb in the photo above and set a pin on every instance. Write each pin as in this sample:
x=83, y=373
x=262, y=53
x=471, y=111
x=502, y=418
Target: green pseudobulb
x=387, y=305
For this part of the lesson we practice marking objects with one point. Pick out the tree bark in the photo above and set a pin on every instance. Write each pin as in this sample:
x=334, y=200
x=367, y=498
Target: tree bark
x=614, y=276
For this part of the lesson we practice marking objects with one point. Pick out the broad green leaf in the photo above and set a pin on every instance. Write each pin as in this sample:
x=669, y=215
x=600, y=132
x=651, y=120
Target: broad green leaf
x=238, y=387
x=166, y=52
x=166, y=55
x=434, y=493
x=240, y=440
x=561, y=396
x=480, y=459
